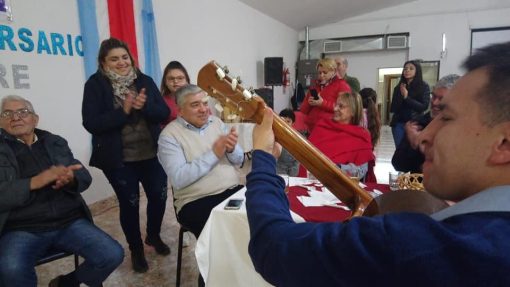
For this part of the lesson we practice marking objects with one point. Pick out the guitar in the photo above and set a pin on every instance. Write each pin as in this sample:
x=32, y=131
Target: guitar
x=215, y=80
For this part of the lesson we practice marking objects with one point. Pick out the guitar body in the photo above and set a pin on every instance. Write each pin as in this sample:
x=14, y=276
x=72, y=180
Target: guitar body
x=213, y=79
x=405, y=201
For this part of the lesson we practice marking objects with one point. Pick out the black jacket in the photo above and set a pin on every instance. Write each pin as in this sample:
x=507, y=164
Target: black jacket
x=414, y=105
x=15, y=191
x=105, y=122
x=407, y=159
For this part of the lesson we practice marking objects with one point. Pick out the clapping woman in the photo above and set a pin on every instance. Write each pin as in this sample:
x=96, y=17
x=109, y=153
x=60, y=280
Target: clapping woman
x=410, y=98
x=123, y=109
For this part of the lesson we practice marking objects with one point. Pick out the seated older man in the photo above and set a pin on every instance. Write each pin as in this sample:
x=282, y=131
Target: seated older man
x=41, y=207
x=198, y=153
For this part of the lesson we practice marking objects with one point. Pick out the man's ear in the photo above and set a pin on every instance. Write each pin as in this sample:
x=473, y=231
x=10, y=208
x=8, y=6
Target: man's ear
x=500, y=153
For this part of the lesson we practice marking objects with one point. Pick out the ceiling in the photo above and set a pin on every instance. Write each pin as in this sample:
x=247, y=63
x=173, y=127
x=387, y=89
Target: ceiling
x=298, y=14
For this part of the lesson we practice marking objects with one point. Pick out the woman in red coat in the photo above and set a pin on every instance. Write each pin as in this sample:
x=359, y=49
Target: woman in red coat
x=321, y=98
x=342, y=139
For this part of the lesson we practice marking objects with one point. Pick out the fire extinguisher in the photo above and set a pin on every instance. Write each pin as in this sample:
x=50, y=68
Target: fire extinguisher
x=285, y=79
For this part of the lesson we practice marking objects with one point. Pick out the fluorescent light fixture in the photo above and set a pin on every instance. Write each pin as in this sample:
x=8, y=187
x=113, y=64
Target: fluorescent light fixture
x=443, y=48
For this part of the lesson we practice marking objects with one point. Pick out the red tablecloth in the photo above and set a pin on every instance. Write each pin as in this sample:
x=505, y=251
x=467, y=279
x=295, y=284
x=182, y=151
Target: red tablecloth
x=323, y=213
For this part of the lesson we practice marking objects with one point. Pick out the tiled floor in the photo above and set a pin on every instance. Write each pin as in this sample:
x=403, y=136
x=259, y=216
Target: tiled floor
x=162, y=270
x=384, y=151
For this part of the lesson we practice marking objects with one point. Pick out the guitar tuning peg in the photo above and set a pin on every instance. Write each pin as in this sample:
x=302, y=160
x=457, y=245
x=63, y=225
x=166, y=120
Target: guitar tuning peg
x=239, y=80
x=226, y=70
x=221, y=73
x=247, y=94
x=233, y=84
x=251, y=89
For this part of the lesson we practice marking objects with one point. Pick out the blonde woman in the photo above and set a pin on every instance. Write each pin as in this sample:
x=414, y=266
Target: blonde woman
x=320, y=100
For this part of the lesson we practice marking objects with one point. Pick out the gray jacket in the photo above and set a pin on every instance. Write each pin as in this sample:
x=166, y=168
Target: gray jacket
x=15, y=191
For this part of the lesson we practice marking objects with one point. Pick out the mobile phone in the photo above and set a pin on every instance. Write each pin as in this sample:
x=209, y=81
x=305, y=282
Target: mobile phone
x=234, y=203
x=314, y=94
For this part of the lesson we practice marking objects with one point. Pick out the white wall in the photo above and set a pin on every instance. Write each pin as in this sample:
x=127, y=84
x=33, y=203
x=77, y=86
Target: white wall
x=192, y=32
x=227, y=31
x=55, y=81
x=365, y=65
x=426, y=21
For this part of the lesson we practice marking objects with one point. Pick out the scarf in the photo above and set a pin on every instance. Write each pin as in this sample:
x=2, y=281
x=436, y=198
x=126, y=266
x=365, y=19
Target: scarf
x=121, y=84
x=342, y=143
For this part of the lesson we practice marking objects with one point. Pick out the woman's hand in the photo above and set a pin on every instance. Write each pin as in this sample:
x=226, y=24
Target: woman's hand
x=133, y=101
x=403, y=90
x=139, y=100
x=127, y=105
x=317, y=102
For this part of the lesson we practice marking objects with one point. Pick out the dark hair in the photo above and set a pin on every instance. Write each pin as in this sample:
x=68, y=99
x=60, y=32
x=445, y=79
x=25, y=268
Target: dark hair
x=418, y=77
x=369, y=100
x=173, y=65
x=288, y=113
x=494, y=97
x=108, y=45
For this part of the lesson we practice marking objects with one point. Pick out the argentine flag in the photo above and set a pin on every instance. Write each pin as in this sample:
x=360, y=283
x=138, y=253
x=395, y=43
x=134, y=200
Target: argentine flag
x=122, y=19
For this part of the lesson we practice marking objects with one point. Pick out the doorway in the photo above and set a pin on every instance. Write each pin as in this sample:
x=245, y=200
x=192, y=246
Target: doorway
x=388, y=80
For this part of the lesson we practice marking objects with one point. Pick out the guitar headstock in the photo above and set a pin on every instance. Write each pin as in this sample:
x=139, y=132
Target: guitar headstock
x=215, y=80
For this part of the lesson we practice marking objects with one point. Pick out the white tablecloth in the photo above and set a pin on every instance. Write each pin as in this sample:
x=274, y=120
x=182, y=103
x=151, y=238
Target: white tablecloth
x=222, y=248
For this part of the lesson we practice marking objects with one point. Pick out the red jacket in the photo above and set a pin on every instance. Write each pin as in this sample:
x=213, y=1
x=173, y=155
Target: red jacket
x=329, y=93
x=172, y=105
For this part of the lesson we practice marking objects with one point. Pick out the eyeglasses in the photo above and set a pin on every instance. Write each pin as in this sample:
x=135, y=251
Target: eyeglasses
x=177, y=79
x=21, y=113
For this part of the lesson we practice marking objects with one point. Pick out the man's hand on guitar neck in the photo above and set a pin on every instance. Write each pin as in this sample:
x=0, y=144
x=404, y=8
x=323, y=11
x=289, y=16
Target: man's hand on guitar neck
x=263, y=136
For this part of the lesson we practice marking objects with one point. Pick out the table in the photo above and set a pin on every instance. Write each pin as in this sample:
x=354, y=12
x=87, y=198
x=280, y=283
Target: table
x=323, y=213
x=222, y=248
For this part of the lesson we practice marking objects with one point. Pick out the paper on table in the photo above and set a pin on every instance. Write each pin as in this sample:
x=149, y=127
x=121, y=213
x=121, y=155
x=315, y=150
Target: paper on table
x=325, y=195
x=319, y=198
x=311, y=201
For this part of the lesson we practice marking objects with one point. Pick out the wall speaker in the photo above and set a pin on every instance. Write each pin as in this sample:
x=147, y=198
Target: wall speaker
x=273, y=71
x=267, y=95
